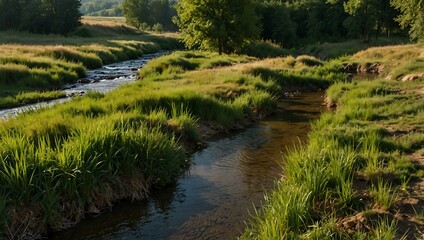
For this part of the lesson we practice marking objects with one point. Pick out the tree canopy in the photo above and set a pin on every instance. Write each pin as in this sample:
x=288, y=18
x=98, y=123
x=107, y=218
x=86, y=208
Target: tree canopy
x=144, y=14
x=40, y=16
x=412, y=15
x=219, y=25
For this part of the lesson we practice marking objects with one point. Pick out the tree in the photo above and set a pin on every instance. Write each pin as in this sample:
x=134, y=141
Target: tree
x=136, y=12
x=64, y=15
x=362, y=18
x=41, y=16
x=217, y=25
x=369, y=15
x=412, y=15
x=276, y=23
x=162, y=13
x=33, y=17
x=10, y=14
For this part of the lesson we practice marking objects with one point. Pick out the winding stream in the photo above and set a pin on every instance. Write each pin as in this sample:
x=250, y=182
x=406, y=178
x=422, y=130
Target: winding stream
x=213, y=199
x=102, y=80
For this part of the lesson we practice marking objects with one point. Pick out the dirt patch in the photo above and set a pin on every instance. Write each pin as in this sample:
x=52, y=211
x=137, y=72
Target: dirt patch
x=363, y=221
x=410, y=207
x=375, y=68
x=412, y=77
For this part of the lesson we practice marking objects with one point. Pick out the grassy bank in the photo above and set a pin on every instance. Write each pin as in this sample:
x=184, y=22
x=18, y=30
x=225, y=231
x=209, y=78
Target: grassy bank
x=330, y=50
x=357, y=177
x=32, y=65
x=58, y=163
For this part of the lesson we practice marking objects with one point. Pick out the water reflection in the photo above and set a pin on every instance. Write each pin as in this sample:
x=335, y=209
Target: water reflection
x=226, y=179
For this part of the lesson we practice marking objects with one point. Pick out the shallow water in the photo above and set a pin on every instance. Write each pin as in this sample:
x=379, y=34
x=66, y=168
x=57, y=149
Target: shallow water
x=213, y=199
x=101, y=80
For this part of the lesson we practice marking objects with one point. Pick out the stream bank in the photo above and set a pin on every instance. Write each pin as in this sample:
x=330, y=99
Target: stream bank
x=213, y=198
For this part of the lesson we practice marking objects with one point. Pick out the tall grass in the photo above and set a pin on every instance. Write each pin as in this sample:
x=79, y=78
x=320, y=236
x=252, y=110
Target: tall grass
x=349, y=150
x=96, y=149
x=31, y=62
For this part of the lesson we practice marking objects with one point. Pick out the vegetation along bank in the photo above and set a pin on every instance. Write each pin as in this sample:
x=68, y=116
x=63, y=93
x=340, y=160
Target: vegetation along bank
x=59, y=163
x=360, y=175
x=34, y=67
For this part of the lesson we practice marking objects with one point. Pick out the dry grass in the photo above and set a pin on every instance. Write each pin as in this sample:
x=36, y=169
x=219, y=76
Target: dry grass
x=397, y=61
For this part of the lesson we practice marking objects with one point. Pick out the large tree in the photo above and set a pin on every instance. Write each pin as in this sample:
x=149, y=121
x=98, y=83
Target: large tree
x=218, y=25
x=63, y=15
x=412, y=15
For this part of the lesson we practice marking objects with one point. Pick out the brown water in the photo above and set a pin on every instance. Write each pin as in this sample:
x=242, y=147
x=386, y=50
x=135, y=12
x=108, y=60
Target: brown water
x=213, y=199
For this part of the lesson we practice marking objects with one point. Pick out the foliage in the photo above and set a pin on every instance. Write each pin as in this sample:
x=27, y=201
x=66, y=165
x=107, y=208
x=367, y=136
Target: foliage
x=344, y=146
x=136, y=11
x=223, y=26
x=412, y=15
x=276, y=24
x=41, y=16
x=147, y=14
x=108, y=8
x=367, y=14
x=294, y=23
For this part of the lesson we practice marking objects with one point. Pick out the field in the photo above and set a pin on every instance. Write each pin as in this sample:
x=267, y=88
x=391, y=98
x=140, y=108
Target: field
x=357, y=176
x=58, y=163
x=34, y=67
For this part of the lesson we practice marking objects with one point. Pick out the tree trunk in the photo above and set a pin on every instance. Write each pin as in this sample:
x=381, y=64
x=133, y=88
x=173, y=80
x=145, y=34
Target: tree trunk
x=220, y=46
x=378, y=31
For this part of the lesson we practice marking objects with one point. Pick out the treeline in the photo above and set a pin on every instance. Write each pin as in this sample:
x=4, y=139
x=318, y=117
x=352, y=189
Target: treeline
x=227, y=26
x=107, y=8
x=40, y=16
x=298, y=21
x=150, y=14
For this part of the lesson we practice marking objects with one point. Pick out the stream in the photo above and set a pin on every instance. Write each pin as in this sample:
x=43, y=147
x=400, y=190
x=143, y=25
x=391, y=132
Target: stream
x=102, y=80
x=226, y=180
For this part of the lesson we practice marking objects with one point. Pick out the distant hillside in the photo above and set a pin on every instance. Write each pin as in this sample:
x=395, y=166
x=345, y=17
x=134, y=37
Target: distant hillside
x=109, y=8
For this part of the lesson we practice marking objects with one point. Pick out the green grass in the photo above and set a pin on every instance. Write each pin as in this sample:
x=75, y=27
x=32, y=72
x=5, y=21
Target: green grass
x=334, y=50
x=34, y=63
x=265, y=50
x=367, y=138
x=29, y=97
x=383, y=194
x=100, y=148
x=385, y=230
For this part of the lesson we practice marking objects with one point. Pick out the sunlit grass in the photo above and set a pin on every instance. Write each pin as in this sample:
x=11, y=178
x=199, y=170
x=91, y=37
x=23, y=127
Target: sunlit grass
x=367, y=139
x=383, y=194
x=33, y=62
x=99, y=148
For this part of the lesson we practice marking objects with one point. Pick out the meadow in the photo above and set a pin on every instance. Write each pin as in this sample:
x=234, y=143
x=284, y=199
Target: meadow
x=59, y=163
x=357, y=175
x=80, y=157
x=33, y=67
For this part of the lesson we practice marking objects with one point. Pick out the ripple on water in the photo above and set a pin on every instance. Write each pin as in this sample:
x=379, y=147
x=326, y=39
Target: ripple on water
x=101, y=80
x=213, y=199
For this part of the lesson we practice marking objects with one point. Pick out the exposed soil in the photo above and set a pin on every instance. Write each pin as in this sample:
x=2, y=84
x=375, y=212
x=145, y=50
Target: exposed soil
x=408, y=211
